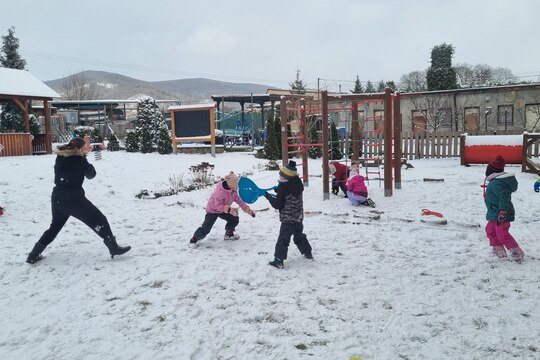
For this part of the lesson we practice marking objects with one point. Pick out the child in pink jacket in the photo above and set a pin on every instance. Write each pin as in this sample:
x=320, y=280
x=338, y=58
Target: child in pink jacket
x=219, y=206
x=356, y=189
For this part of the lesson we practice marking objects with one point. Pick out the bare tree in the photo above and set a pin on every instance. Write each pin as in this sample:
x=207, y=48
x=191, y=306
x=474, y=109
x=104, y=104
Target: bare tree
x=78, y=87
x=483, y=75
x=437, y=111
x=465, y=75
x=413, y=82
x=503, y=76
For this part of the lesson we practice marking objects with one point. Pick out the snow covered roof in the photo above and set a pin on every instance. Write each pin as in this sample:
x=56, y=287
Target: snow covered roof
x=192, y=107
x=15, y=82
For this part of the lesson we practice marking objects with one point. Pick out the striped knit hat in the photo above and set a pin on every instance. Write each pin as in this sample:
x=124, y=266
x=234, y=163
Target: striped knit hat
x=289, y=170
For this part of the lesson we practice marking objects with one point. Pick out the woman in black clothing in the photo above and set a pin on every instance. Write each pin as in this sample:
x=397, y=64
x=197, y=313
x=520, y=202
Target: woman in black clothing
x=70, y=169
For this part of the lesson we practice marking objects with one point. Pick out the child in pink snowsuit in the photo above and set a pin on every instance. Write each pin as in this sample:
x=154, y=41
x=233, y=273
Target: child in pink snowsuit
x=219, y=206
x=356, y=188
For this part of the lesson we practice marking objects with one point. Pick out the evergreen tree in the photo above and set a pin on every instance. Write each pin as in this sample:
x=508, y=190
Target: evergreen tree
x=298, y=86
x=132, y=141
x=144, y=135
x=11, y=117
x=441, y=75
x=9, y=57
x=114, y=144
x=277, y=131
x=82, y=131
x=164, y=144
x=380, y=86
x=391, y=85
x=149, y=122
x=369, y=87
x=271, y=148
x=358, y=88
x=335, y=151
x=314, y=152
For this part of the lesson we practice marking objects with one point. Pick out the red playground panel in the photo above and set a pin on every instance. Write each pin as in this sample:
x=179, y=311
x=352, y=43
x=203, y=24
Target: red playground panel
x=483, y=149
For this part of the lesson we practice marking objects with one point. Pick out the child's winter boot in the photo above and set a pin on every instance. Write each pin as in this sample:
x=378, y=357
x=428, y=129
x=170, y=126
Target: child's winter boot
x=35, y=254
x=193, y=240
x=499, y=251
x=516, y=254
x=277, y=263
x=114, y=248
x=308, y=256
x=230, y=235
x=369, y=203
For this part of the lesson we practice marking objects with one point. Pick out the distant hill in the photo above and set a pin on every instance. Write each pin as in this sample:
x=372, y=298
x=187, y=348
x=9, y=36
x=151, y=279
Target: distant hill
x=116, y=86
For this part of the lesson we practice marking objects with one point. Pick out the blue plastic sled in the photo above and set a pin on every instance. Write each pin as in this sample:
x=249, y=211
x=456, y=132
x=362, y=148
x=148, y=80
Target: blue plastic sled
x=249, y=192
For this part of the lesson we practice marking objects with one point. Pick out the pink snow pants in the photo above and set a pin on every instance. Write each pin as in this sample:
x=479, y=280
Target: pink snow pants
x=499, y=234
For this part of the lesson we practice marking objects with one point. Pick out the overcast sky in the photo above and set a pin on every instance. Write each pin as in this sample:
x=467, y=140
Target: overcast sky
x=265, y=42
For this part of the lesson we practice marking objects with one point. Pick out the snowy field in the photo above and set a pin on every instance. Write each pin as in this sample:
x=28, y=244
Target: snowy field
x=392, y=288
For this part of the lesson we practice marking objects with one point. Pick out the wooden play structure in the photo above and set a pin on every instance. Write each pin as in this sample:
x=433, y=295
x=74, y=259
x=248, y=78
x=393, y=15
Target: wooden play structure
x=389, y=121
x=531, y=145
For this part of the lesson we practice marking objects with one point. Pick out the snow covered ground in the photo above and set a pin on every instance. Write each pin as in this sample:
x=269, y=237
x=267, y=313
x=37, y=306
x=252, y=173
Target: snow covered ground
x=393, y=288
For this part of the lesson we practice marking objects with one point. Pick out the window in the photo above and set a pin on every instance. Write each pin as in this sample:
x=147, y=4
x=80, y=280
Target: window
x=444, y=117
x=505, y=113
x=532, y=117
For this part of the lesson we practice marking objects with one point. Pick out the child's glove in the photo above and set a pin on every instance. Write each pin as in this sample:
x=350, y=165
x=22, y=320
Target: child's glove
x=537, y=186
x=502, y=216
x=248, y=211
x=335, y=190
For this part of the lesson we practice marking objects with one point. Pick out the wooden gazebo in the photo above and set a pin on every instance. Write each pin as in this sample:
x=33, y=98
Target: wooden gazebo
x=21, y=87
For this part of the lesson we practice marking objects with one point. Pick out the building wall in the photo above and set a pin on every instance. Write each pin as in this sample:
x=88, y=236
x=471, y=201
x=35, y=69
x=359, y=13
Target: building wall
x=502, y=109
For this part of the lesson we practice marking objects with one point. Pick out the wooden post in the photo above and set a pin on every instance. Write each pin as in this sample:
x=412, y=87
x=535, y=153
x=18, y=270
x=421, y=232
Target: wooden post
x=397, y=141
x=26, y=117
x=47, y=115
x=173, y=132
x=326, y=184
x=462, y=138
x=283, y=125
x=213, y=133
x=355, y=131
x=304, y=128
x=387, y=142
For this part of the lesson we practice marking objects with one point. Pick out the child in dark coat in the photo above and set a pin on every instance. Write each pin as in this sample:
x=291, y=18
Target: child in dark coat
x=289, y=202
x=500, y=210
x=219, y=206
x=68, y=199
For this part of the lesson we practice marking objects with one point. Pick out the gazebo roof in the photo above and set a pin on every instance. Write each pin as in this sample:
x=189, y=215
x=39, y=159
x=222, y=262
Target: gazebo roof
x=20, y=83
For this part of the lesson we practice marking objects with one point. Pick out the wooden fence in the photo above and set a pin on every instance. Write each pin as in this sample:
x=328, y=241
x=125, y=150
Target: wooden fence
x=416, y=146
x=20, y=144
x=16, y=144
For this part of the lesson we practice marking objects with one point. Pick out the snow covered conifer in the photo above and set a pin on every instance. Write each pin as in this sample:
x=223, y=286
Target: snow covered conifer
x=114, y=144
x=164, y=145
x=271, y=150
x=132, y=141
x=314, y=152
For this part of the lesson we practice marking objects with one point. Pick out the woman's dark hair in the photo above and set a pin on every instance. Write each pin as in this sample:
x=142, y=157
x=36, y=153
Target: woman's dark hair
x=75, y=143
